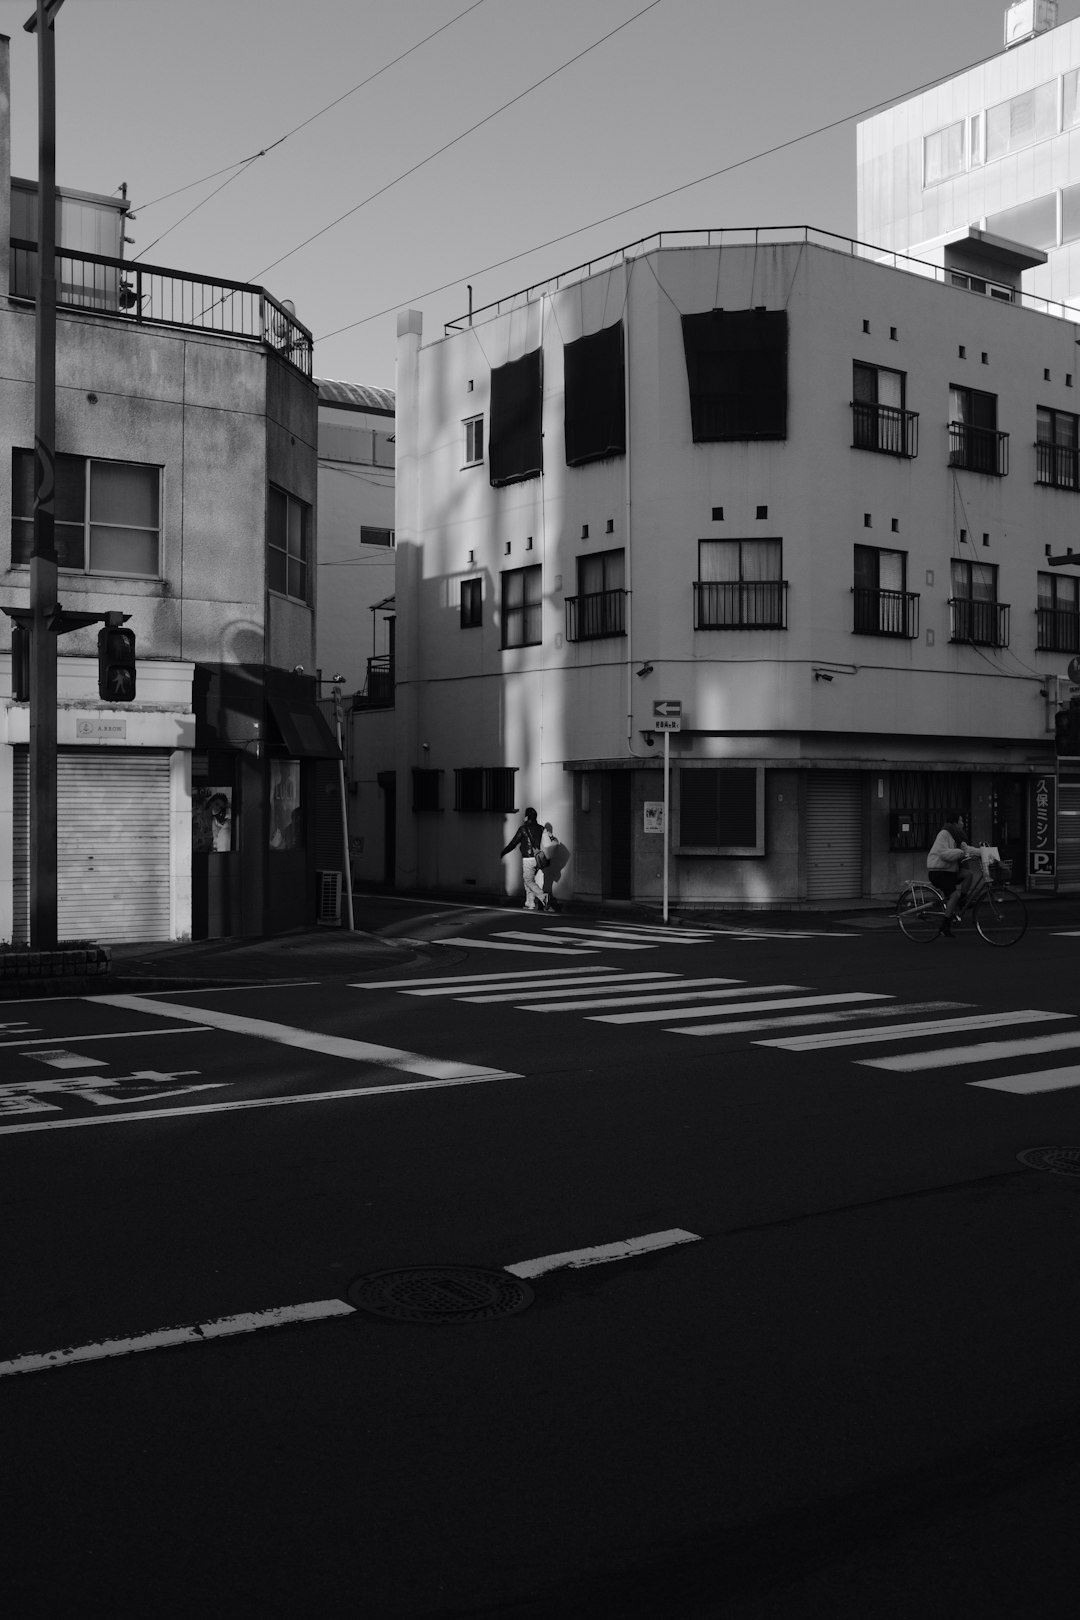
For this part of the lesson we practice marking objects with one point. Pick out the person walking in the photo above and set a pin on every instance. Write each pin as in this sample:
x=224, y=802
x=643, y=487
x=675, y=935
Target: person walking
x=945, y=867
x=550, y=850
x=529, y=839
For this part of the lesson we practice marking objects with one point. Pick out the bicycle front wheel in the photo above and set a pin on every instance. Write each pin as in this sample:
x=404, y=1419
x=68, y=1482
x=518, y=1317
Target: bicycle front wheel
x=1001, y=917
x=920, y=911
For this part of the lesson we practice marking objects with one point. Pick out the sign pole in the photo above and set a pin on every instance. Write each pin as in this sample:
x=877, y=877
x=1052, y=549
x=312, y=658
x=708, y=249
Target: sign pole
x=667, y=818
x=43, y=569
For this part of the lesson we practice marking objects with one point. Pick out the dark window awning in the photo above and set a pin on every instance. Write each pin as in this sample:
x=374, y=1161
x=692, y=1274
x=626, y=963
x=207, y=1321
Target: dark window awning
x=303, y=728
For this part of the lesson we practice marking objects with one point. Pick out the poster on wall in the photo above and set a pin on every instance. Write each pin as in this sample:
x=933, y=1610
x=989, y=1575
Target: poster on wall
x=654, y=815
x=1042, y=821
x=286, y=831
x=211, y=820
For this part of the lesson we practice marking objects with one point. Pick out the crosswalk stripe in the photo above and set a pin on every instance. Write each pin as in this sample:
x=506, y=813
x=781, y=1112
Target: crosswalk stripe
x=947, y=1057
x=660, y=932
x=626, y=992
x=746, y=1026
x=738, y=1007
x=611, y=935
x=860, y=1037
x=1025, y=1084
x=525, y=950
x=560, y=937
x=521, y=992
x=507, y=976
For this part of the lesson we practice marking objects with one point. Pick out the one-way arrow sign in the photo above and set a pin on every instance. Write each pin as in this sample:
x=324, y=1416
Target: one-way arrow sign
x=664, y=707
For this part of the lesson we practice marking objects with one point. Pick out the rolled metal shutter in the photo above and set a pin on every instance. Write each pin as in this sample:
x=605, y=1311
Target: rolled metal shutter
x=113, y=830
x=1068, y=834
x=833, y=835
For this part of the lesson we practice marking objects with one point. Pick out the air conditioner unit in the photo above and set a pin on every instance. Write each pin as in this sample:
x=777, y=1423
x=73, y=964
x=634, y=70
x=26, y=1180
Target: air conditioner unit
x=328, y=902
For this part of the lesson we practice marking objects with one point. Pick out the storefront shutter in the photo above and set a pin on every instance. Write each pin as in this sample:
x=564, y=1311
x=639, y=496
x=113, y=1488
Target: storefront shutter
x=113, y=829
x=833, y=839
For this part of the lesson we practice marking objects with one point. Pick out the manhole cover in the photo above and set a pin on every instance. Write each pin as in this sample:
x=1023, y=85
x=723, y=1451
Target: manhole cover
x=440, y=1294
x=1060, y=1161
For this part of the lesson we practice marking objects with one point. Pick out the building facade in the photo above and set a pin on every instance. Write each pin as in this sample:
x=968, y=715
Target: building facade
x=763, y=477
x=186, y=426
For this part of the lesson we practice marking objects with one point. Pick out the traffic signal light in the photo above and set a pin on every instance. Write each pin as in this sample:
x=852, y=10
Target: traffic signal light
x=116, y=665
x=1067, y=730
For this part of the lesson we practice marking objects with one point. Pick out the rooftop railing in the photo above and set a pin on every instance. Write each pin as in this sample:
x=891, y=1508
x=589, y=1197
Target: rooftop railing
x=147, y=295
x=759, y=236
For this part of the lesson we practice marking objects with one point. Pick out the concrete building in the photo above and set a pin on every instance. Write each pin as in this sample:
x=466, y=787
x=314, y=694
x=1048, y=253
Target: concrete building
x=186, y=494
x=356, y=531
x=760, y=475
x=982, y=172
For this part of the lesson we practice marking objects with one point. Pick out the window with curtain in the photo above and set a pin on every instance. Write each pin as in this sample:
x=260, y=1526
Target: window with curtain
x=736, y=367
x=879, y=420
x=107, y=515
x=943, y=154
x=1022, y=120
x=740, y=584
x=1058, y=613
x=1056, y=448
x=977, y=615
x=522, y=607
x=598, y=609
x=882, y=605
x=515, y=443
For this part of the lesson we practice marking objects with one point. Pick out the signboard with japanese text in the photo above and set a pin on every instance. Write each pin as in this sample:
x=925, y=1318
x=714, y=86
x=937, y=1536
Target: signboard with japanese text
x=1042, y=826
x=654, y=815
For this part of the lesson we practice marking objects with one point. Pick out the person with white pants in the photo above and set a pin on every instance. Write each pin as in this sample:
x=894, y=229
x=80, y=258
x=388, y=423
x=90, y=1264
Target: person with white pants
x=528, y=839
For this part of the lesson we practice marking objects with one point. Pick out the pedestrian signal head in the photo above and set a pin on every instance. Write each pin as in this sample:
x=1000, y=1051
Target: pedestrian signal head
x=116, y=665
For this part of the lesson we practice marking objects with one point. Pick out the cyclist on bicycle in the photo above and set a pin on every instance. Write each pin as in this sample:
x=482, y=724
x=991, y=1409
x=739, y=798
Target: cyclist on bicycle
x=950, y=867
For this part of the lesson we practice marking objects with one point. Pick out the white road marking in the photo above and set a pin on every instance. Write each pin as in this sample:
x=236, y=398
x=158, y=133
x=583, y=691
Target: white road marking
x=623, y=986
x=941, y=1026
x=316, y=1310
x=739, y=1007
x=58, y=1058
x=224, y=989
x=673, y=994
x=604, y=1252
x=112, y=1035
x=309, y=1040
x=353, y=1092
x=561, y=937
x=947, y=1057
x=609, y=936
x=1027, y=1084
x=495, y=945
x=515, y=992
x=746, y=1026
x=527, y=975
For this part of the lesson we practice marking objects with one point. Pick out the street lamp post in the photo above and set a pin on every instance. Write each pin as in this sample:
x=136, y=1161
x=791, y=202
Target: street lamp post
x=43, y=580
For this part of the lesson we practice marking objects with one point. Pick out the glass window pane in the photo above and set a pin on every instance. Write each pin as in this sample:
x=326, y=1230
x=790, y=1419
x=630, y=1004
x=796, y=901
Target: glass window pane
x=534, y=589
x=123, y=551
x=983, y=582
x=277, y=518
x=891, y=570
x=277, y=570
x=70, y=545
x=297, y=580
x=1069, y=104
x=286, y=828
x=590, y=575
x=1033, y=223
x=614, y=570
x=296, y=529
x=718, y=561
x=1046, y=590
x=70, y=489
x=961, y=577
x=1045, y=110
x=997, y=131
x=121, y=493
x=1044, y=425
x=513, y=589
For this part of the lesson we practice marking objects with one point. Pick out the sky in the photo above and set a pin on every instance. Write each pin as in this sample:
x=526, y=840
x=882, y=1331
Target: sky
x=441, y=183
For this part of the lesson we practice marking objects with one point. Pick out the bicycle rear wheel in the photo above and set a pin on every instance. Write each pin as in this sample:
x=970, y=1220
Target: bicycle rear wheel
x=920, y=911
x=1001, y=917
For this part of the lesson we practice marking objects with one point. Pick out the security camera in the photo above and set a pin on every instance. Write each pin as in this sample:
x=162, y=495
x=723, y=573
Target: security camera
x=298, y=669
x=646, y=669
x=650, y=739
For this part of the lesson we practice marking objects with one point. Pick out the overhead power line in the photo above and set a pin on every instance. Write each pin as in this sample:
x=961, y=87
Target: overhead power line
x=454, y=142
x=646, y=202
x=245, y=163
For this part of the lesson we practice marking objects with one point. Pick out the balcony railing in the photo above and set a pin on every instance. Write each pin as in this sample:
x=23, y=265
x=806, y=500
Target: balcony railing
x=759, y=604
x=1057, y=465
x=885, y=428
x=378, y=690
x=599, y=614
x=147, y=295
x=978, y=449
x=886, y=613
x=982, y=624
x=1057, y=629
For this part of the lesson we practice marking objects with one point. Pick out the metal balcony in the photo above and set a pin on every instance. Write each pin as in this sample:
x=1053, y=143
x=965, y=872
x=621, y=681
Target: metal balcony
x=146, y=295
x=378, y=690
x=886, y=613
x=885, y=428
x=759, y=604
x=595, y=616
x=980, y=624
x=1057, y=465
x=1057, y=630
x=978, y=449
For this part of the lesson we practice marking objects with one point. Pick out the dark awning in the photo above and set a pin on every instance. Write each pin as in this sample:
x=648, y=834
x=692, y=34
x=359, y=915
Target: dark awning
x=303, y=728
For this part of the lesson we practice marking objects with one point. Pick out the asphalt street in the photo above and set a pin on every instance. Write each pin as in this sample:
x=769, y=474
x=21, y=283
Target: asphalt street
x=803, y=1325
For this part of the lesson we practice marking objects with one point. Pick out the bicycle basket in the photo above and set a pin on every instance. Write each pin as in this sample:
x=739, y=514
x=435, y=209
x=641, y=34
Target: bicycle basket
x=1000, y=873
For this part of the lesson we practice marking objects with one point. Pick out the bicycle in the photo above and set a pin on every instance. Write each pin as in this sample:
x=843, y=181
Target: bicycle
x=1000, y=914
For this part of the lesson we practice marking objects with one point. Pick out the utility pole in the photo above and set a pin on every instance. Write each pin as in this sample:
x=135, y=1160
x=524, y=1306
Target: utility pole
x=43, y=580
